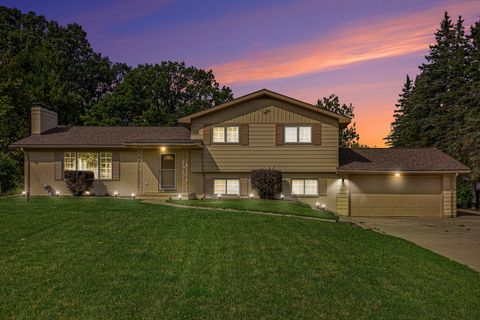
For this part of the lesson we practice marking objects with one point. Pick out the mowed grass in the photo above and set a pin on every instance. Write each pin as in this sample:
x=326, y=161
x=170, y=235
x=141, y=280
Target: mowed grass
x=122, y=259
x=274, y=206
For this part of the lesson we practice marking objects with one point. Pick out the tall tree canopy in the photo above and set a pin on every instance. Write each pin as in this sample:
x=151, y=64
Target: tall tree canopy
x=41, y=61
x=442, y=108
x=348, y=136
x=158, y=94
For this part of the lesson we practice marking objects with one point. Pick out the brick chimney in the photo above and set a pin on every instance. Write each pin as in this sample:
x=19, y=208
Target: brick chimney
x=43, y=120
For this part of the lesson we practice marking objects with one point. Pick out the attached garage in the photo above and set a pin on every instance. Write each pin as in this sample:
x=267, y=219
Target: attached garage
x=390, y=195
x=395, y=182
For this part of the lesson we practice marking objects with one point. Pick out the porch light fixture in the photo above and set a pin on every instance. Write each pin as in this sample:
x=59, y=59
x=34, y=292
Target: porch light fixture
x=397, y=175
x=115, y=194
x=133, y=195
x=282, y=196
x=251, y=195
x=163, y=149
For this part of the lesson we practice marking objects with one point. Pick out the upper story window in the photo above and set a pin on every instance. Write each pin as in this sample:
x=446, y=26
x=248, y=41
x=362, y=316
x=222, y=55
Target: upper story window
x=99, y=163
x=226, y=135
x=298, y=134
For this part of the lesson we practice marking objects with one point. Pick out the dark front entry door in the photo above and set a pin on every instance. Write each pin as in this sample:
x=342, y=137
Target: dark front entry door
x=167, y=171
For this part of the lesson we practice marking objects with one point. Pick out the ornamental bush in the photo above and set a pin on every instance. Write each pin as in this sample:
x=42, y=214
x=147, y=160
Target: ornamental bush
x=79, y=181
x=267, y=182
x=9, y=173
x=464, y=194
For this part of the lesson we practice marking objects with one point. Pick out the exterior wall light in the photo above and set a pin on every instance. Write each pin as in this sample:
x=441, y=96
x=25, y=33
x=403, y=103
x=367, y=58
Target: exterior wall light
x=163, y=149
x=397, y=175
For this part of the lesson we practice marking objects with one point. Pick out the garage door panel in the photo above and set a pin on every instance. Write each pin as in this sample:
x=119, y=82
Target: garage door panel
x=395, y=205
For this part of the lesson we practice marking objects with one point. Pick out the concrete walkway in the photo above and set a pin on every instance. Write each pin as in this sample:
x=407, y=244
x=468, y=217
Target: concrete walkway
x=456, y=238
x=164, y=203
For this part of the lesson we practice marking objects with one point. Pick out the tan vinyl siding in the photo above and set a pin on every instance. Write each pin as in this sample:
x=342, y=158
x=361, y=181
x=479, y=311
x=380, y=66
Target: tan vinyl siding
x=262, y=150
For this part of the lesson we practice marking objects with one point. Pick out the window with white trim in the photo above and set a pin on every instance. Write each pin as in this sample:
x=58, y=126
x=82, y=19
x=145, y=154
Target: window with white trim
x=226, y=135
x=105, y=165
x=69, y=161
x=98, y=163
x=298, y=134
x=226, y=186
x=306, y=187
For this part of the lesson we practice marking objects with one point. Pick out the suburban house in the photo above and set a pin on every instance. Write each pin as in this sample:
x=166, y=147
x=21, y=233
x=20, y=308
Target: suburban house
x=213, y=152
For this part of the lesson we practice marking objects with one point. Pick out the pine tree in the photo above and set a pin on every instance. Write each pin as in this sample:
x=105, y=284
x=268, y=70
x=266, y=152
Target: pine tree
x=401, y=111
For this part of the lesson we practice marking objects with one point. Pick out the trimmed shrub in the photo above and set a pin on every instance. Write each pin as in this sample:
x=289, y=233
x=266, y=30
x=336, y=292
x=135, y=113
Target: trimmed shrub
x=267, y=182
x=9, y=173
x=464, y=194
x=79, y=181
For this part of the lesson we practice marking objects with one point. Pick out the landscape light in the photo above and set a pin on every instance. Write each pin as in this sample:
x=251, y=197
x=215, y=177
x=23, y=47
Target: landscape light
x=115, y=194
x=251, y=195
x=57, y=193
x=323, y=207
x=87, y=193
x=24, y=193
x=282, y=196
x=133, y=195
x=179, y=197
x=317, y=205
x=219, y=196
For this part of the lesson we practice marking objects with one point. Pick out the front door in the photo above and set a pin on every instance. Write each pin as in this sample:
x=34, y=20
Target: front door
x=167, y=172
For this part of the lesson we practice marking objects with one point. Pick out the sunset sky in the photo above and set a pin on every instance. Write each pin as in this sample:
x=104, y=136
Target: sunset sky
x=359, y=49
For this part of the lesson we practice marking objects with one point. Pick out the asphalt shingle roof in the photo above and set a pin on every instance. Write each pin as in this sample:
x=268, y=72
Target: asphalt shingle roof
x=106, y=136
x=397, y=159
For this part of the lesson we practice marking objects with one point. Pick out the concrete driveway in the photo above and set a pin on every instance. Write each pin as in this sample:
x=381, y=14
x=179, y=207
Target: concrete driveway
x=456, y=238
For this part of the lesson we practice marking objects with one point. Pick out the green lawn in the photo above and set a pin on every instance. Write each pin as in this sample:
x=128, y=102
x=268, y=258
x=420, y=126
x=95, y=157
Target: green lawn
x=275, y=206
x=122, y=259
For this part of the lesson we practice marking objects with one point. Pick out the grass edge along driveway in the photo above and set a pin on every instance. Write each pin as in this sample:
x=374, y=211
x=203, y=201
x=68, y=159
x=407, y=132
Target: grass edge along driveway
x=119, y=259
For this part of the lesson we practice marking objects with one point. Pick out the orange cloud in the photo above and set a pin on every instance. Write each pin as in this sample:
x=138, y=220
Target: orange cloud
x=367, y=40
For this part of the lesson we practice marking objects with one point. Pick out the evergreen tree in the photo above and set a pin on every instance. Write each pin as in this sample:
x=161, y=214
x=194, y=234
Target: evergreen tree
x=348, y=136
x=399, y=116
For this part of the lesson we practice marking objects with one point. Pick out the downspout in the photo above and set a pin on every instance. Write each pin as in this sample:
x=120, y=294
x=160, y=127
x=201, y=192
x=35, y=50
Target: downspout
x=203, y=173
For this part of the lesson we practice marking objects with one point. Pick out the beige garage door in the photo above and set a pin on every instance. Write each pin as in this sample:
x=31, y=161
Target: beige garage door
x=390, y=196
x=389, y=205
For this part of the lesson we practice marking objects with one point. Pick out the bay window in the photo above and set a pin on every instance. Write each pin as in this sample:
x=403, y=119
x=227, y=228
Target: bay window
x=98, y=163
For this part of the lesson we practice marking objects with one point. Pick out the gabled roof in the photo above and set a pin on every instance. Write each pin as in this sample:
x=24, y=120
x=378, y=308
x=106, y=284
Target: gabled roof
x=372, y=160
x=266, y=93
x=81, y=136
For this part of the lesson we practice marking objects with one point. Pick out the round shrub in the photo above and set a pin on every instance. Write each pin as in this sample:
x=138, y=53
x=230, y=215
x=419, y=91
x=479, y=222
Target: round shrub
x=464, y=194
x=9, y=173
x=79, y=181
x=267, y=182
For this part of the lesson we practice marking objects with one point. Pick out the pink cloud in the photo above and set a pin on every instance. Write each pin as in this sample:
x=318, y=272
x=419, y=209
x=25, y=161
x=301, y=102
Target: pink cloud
x=363, y=41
